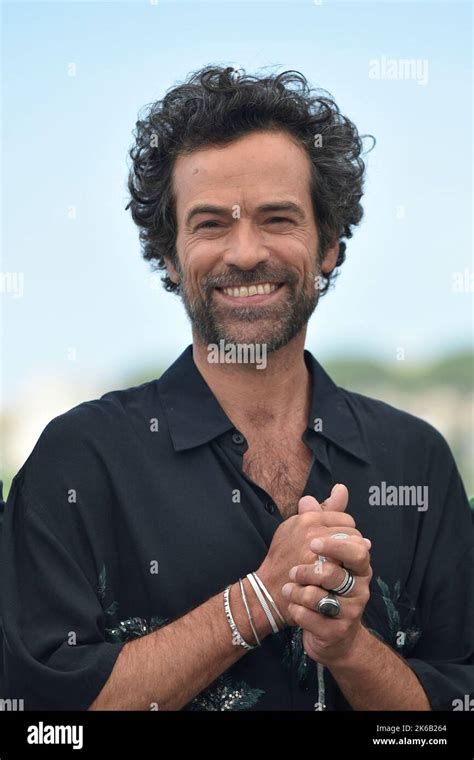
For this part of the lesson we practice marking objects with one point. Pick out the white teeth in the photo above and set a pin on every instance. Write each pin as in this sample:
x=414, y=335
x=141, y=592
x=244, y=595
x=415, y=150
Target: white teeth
x=252, y=290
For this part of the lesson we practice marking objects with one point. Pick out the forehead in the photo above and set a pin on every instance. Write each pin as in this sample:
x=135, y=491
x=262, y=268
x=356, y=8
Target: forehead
x=251, y=166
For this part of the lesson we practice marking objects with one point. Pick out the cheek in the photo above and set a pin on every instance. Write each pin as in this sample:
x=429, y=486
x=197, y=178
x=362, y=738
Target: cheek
x=198, y=263
x=200, y=256
x=298, y=249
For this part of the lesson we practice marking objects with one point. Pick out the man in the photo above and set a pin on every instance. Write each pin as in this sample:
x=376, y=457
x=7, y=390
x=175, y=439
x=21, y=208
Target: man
x=215, y=540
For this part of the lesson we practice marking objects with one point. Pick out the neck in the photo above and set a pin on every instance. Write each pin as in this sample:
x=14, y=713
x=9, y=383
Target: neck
x=277, y=395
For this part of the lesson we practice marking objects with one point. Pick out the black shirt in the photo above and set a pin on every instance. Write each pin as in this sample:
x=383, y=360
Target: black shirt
x=133, y=509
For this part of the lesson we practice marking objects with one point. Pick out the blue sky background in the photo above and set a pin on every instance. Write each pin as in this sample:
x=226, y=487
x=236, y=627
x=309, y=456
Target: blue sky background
x=65, y=142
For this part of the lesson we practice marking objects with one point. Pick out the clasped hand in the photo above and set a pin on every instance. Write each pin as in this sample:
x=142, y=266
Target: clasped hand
x=325, y=639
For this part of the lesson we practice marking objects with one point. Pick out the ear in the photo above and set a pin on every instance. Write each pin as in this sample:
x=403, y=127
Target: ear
x=172, y=272
x=330, y=257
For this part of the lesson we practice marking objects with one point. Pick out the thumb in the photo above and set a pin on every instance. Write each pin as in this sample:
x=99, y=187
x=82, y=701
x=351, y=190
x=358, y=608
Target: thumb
x=337, y=500
x=308, y=504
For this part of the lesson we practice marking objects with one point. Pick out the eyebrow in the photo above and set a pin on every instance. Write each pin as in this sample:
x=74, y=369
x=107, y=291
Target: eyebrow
x=205, y=208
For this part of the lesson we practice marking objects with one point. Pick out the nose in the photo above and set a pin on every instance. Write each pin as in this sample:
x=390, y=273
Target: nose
x=246, y=249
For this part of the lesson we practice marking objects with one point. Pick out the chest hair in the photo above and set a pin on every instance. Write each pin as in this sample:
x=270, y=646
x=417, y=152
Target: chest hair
x=281, y=468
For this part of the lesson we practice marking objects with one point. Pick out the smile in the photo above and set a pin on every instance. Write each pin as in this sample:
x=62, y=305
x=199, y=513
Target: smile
x=243, y=291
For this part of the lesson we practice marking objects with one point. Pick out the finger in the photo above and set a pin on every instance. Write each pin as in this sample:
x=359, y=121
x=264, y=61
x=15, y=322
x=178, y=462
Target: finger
x=329, y=519
x=353, y=552
x=310, y=596
x=308, y=504
x=327, y=575
x=319, y=530
x=337, y=500
x=324, y=531
x=326, y=629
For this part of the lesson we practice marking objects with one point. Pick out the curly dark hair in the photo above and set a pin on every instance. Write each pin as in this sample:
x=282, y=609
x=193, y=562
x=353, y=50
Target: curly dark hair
x=217, y=105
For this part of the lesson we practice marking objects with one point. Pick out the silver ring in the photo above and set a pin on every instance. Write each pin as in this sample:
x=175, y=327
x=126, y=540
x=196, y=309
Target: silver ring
x=346, y=586
x=329, y=606
x=340, y=535
x=319, y=564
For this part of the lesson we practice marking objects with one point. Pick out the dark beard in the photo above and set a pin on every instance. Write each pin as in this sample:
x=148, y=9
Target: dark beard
x=289, y=316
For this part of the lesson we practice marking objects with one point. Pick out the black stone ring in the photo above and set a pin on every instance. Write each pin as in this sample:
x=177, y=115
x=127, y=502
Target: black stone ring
x=329, y=605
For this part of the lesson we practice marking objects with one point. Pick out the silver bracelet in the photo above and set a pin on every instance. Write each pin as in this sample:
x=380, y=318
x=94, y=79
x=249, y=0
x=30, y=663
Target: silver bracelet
x=244, y=598
x=267, y=594
x=262, y=601
x=236, y=635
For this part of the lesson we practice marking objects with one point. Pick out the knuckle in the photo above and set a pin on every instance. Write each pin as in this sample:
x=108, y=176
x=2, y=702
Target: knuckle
x=352, y=613
x=296, y=613
x=315, y=532
x=309, y=519
x=297, y=576
x=348, y=520
x=310, y=534
x=333, y=574
x=340, y=629
x=328, y=573
x=319, y=570
x=308, y=596
x=328, y=519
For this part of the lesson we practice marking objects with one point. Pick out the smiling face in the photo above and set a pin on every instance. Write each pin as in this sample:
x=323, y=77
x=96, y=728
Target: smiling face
x=247, y=240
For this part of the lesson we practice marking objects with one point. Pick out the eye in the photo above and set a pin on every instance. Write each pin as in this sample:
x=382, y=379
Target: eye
x=210, y=224
x=279, y=220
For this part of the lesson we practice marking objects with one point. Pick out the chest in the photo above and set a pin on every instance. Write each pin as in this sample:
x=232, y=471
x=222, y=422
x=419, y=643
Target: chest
x=281, y=466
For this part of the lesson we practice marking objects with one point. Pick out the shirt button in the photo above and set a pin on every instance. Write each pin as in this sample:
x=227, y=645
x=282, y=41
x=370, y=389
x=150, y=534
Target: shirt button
x=270, y=507
x=304, y=684
x=237, y=438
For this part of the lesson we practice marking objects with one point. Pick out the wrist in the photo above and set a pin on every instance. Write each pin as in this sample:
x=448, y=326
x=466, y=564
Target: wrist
x=360, y=649
x=259, y=619
x=273, y=589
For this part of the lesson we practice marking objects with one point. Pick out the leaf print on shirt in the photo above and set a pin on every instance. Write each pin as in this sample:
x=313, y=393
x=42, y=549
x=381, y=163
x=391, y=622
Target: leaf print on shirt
x=403, y=634
x=133, y=628
x=294, y=655
x=102, y=592
x=390, y=601
x=226, y=694
x=129, y=629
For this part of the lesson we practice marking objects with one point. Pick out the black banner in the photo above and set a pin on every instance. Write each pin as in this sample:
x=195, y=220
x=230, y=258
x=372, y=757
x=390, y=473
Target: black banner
x=381, y=734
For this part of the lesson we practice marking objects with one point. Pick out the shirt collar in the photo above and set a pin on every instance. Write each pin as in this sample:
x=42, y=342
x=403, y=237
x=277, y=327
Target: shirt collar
x=195, y=417
x=331, y=414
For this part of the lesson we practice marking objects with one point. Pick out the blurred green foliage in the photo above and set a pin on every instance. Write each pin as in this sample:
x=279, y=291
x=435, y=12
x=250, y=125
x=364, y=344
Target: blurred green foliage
x=397, y=383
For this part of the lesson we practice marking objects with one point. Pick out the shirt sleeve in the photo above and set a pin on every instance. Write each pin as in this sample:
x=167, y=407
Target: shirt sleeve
x=56, y=656
x=443, y=659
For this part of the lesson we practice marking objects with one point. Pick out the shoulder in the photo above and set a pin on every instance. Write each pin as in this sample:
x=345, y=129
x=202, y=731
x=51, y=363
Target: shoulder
x=103, y=415
x=408, y=450
x=387, y=425
x=87, y=432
